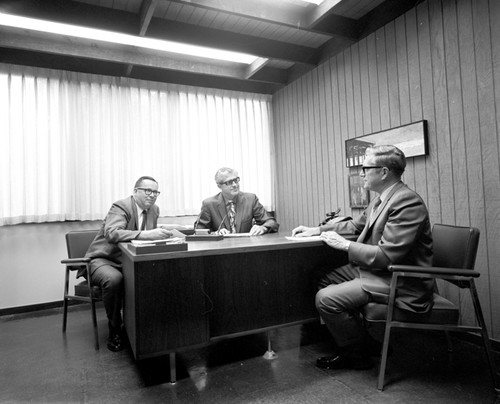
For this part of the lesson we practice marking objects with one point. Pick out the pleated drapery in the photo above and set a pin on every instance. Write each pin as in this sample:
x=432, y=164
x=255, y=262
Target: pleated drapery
x=73, y=143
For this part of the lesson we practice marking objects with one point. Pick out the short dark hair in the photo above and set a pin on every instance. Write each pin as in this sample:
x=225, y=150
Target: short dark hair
x=138, y=183
x=389, y=156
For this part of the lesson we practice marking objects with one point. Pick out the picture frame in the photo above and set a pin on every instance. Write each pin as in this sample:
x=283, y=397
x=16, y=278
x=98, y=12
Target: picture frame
x=410, y=138
x=359, y=197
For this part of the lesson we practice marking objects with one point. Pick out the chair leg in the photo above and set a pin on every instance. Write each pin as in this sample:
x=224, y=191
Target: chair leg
x=448, y=341
x=94, y=322
x=65, y=314
x=486, y=339
x=270, y=354
x=65, y=304
x=173, y=373
x=383, y=358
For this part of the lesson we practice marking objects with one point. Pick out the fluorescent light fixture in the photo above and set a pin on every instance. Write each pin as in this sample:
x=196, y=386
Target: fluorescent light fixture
x=32, y=24
x=317, y=2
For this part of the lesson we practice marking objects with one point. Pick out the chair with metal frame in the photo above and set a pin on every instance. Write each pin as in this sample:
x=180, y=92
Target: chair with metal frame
x=77, y=243
x=454, y=258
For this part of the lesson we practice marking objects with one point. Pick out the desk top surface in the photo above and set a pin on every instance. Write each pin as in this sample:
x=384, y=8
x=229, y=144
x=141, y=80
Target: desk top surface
x=232, y=245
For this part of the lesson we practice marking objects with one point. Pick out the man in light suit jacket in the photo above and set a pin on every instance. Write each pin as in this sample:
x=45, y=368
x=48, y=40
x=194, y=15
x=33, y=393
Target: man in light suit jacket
x=132, y=218
x=394, y=229
x=232, y=211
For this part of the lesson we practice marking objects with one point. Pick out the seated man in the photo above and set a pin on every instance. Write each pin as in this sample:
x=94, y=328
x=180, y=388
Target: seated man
x=132, y=218
x=232, y=211
x=394, y=229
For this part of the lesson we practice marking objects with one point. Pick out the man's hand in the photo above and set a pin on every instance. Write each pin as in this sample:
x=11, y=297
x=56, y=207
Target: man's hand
x=334, y=240
x=257, y=230
x=154, y=234
x=303, y=231
x=223, y=231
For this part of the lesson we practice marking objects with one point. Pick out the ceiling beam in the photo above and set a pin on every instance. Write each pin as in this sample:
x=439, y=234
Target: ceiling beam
x=93, y=50
x=145, y=15
x=213, y=38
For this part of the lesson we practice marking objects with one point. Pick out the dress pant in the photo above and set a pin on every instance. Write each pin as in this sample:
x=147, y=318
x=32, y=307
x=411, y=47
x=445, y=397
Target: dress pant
x=338, y=302
x=110, y=279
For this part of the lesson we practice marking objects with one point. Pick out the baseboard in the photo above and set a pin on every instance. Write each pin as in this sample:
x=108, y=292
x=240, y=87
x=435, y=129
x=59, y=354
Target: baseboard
x=477, y=339
x=35, y=307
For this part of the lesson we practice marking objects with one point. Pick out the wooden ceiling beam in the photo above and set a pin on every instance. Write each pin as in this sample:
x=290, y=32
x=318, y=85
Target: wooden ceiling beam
x=145, y=15
x=213, y=38
x=94, y=50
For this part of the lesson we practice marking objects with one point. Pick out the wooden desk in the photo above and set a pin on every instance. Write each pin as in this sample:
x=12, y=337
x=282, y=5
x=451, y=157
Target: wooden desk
x=219, y=289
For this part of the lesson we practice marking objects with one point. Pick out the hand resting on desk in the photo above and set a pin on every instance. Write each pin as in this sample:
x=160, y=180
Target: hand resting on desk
x=154, y=234
x=304, y=231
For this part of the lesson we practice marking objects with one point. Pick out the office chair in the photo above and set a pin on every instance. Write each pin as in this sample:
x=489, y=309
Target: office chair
x=77, y=243
x=455, y=251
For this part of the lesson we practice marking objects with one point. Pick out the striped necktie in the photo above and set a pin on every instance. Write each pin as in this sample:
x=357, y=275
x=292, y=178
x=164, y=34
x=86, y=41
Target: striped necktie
x=144, y=219
x=231, y=213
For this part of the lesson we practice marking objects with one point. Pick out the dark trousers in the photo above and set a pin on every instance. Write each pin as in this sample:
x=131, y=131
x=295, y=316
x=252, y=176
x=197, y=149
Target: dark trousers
x=338, y=302
x=110, y=279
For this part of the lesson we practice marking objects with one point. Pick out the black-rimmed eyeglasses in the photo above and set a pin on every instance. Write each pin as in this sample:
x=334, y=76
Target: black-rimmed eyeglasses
x=149, y=191
x=364, y=168
x=231, y=182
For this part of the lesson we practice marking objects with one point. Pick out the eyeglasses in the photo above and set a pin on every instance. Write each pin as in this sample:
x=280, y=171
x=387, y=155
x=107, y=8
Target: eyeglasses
x=149, y=191
x=231, y=182
x=364, y=168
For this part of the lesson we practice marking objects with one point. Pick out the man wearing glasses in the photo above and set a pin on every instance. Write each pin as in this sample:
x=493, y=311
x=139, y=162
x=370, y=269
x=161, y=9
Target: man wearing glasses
x=132, y=218
x=232, y=211
x=394, y=229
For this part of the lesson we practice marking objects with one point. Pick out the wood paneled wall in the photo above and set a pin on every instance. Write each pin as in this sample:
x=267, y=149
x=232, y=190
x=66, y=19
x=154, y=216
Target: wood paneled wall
x=440, y=62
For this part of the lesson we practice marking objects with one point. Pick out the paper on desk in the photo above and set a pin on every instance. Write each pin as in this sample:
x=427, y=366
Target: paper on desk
x=173, y=240
x=237, y=235
x=310, y=238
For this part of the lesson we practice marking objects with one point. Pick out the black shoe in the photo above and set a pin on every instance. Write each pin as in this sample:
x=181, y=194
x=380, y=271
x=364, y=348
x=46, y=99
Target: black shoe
x=347, y=360
x=115, y=342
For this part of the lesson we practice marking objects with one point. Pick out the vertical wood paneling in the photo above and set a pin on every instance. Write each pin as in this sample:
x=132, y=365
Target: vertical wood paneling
x=427, y=88
x=365, y=87
x=489, y=135
x=441, y=111
x=439, y=62
x=416, y=109
x=457, y=153
x=403, y=89
x=495, y=34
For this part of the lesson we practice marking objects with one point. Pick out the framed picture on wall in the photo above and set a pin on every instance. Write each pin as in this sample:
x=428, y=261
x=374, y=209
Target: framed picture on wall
x=359, y=197
x=411, y=139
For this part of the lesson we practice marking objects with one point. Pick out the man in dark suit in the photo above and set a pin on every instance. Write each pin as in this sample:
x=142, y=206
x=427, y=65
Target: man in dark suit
x=132, y=218
x=394, y=229
x=232, y=211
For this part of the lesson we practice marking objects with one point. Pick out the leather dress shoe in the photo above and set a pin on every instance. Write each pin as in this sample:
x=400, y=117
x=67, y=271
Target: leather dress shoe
x=345, y=360
x=115, y=342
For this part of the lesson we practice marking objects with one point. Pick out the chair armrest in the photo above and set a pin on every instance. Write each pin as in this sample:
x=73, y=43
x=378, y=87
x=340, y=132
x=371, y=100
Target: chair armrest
x=468, y=273
x=75, y=261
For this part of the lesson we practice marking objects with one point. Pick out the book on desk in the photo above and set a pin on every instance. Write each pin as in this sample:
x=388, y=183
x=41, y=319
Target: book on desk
x=158, y=246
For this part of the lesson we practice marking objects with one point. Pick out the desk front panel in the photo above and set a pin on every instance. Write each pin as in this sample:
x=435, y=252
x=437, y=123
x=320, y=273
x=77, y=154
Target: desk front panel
x=178, y=301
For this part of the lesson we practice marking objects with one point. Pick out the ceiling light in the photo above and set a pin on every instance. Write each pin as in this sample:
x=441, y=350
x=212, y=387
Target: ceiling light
x=124, y=39
x=317, y=2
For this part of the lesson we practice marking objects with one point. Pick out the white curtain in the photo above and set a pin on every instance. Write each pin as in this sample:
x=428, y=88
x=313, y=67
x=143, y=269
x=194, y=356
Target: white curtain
x=73, y=143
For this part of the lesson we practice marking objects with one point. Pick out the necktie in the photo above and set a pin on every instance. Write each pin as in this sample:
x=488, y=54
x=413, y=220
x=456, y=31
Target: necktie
x=231, y=213
x=374, y=210
x=144, y=219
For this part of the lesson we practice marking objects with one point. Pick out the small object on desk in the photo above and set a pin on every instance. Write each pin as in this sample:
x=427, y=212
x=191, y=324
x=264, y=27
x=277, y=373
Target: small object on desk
x=229, y=235
x=204, y=237
x=309, y=238
x=157, y=246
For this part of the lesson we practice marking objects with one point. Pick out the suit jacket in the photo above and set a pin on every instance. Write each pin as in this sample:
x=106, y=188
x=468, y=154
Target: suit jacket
x=120, y=224
x=399, y=234
x=248, y=208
